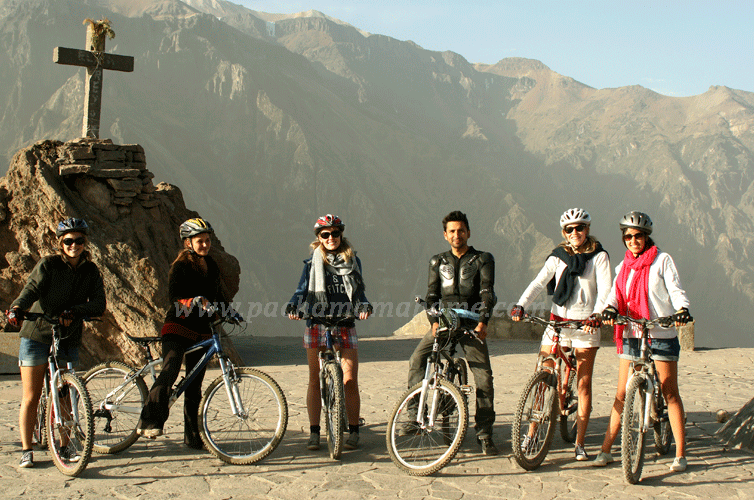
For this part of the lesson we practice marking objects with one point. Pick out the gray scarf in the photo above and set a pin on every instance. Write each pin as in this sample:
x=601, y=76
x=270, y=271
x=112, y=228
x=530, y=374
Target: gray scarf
x=316, y=297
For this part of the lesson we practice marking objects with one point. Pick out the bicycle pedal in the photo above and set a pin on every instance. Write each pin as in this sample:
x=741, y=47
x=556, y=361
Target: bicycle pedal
x=467, y=389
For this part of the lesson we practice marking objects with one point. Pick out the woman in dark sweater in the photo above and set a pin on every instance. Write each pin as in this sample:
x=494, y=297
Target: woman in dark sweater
x=69, y=286
x=194, y=281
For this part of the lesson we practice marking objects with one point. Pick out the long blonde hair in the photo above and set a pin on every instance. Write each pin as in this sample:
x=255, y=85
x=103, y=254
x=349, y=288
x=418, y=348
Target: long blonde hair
x=344, y=250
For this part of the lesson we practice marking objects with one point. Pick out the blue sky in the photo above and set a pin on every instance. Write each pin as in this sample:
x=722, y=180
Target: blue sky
x=677, y=48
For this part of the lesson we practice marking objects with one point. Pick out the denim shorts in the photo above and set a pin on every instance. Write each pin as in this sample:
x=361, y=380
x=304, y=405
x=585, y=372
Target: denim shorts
x=662, y=349
x=33, y=353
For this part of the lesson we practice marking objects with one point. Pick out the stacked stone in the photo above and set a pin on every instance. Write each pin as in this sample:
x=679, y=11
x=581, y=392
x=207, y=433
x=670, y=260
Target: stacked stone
x=122, y=167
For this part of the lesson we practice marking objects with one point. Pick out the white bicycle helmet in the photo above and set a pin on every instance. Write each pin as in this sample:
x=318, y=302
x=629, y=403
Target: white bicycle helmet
x=575, y=216
x=637, y=220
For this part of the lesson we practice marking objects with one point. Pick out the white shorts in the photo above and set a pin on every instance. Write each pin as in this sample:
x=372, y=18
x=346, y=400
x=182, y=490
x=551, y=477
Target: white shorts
x=571, y=337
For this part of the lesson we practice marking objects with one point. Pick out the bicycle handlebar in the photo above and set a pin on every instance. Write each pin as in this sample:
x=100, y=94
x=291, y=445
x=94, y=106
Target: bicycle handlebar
x=664, y=321
x=53, y=320
x=569, y=323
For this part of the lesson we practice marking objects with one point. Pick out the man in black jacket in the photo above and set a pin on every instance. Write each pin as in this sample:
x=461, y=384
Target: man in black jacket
x=463, y=277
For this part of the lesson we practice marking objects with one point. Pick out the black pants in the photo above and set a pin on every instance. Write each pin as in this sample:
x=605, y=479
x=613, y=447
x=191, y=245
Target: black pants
x=155, y=412
x=478, y=358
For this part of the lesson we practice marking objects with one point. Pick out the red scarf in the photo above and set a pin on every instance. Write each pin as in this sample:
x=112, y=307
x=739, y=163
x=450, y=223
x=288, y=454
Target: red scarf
x=638, y=295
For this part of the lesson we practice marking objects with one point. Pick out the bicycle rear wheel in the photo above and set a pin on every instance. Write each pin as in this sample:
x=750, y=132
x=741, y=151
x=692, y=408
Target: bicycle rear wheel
x=662, y=431
x=254, y=433
x=568, y=422
x=632, y=432
x=334, y=406
x=424, y=450
x=70, y=441
x=534, y=422
x=116, y=405
x=40, y=433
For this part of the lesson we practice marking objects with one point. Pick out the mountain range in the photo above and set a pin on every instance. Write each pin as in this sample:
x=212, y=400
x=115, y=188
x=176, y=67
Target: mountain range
x=266, y=121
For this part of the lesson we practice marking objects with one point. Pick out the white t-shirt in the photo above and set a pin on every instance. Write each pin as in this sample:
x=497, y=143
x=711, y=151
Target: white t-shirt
x=589, y=292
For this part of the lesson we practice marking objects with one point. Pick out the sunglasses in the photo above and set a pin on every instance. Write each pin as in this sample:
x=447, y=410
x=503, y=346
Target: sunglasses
x=579, y=228
x=70, y=241
x=638, y=236
x=326, y=234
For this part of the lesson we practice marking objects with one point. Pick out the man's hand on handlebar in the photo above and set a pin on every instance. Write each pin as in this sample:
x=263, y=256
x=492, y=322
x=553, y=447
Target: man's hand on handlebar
x=481, y=331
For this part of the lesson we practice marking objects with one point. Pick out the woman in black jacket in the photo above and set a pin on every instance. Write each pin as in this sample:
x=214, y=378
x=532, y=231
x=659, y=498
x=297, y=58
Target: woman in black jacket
x=69, y=286
x=194, y=281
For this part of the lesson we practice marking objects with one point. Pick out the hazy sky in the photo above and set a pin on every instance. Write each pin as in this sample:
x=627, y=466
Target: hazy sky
x=676, y=48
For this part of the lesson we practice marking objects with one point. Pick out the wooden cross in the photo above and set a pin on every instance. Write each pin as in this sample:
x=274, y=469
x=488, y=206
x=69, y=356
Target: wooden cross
x=95, y=60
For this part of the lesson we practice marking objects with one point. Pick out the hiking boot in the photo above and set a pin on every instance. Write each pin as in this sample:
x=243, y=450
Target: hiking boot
x=352, y=442
x=409, y=429
x=679, y=464
x=69, y=455
x=27, y=460
x=149, y=433
x=488, y=447
x=193, y=442
x=313, y=443
x=581, y=455
x=602, y=459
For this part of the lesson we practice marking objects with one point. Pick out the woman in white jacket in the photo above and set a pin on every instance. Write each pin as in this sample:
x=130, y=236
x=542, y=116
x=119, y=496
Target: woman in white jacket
x=647, y=286
x=577, y=275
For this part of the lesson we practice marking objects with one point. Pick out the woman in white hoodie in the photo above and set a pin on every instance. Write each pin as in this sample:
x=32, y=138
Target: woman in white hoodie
x=577, y=275
x=647, y=286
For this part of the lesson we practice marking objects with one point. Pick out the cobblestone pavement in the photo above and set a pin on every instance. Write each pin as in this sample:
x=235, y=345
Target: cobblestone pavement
x=164, y=468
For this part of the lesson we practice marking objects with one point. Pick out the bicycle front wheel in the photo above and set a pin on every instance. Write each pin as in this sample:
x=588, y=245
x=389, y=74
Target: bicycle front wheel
x=534, y=422
x=70, y=429
x=259, y=426
x=116, y=404
x=632, y=431
x=423, y=449
x=568, y=422
x=334, y=406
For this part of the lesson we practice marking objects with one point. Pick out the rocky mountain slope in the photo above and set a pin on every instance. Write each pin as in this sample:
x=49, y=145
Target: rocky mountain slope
x=133, y=237
x=266, y=121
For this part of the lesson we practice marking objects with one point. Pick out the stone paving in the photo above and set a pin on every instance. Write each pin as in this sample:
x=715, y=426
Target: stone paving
x=164, y=468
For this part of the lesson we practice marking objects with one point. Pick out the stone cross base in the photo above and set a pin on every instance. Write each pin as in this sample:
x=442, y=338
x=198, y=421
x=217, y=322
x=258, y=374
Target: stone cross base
x=686, y=337
x=9, y=343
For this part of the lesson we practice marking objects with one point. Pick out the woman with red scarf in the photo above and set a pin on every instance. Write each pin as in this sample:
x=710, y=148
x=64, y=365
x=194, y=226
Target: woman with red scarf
x=647, y=286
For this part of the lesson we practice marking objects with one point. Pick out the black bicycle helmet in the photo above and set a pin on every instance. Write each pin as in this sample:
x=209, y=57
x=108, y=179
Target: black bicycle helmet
x=72, y=225
x=192, y=227
x=636, y=220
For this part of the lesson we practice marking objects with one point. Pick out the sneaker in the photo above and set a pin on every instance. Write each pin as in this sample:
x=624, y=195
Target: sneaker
x=27, y=460
x=69, y=455
x=313, y=443
x=352, y=442
x=149, y=433
x=679, y=464
x=528, y=443
x=488, y=447
x=603, y=459
x=580, y=452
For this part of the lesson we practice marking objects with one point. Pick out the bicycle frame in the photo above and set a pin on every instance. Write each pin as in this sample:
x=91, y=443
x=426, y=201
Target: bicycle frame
x=54, y=372
x=645, y=368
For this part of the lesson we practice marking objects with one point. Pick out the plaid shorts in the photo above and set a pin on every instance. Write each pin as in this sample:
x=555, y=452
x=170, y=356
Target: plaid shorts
x=314, y=337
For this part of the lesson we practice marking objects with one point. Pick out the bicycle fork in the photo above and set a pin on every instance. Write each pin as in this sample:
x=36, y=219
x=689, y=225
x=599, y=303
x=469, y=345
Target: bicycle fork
x=231, y=388
x=55, y=385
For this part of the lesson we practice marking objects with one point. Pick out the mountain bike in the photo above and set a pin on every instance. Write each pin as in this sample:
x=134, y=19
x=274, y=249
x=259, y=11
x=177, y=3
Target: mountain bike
x=242, y=429
x=549, y=393
x=429, y=423
x=645, y=404
x=64, y=412
x=331, y=384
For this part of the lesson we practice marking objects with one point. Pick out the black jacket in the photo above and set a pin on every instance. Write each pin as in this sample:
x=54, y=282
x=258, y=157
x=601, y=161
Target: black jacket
x=186, y=282
x=53, y=287
x=467, y=283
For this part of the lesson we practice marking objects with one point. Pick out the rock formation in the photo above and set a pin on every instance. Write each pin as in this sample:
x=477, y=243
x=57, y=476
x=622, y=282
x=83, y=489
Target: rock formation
x=133, y=237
